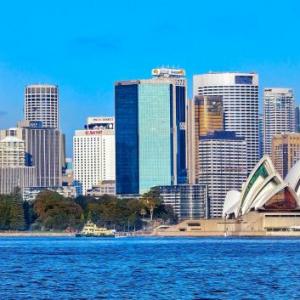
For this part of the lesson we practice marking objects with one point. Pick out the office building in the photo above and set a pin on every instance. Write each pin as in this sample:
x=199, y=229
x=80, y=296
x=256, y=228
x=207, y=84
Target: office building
x=279, y=114
x=41, y=105
x=16, y=177
x=12, y=152
x=285, y=151
x=206, y=117
x=43, y=147
x=239, y=93
x=297, y=118
x=105, y=187
x=150, y=132
x=188, y=201
x=13, y=172
x=94, y=153
x=261, y=135
x=223, y=166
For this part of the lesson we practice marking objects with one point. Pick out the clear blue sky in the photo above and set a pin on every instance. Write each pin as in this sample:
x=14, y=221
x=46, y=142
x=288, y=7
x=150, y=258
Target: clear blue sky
x=84, y=46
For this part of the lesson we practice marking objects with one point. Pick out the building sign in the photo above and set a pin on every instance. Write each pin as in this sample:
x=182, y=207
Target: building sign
x=166, y=72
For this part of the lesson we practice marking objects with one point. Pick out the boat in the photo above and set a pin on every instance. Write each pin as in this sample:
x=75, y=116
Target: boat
x=90, y=229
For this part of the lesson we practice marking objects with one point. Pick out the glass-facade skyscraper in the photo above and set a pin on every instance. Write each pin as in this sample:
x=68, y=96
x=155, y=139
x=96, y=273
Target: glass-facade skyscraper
x=150, y=132
x=279, y=114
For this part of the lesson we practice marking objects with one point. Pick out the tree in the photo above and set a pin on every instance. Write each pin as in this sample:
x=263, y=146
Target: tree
x=151, y=201
x=54, y=212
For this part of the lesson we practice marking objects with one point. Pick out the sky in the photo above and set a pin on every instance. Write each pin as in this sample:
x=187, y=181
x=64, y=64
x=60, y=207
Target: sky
x=84, y=46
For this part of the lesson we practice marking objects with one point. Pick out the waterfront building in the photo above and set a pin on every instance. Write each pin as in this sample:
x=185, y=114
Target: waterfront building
x=267, y=205
x=265, y=190
x=222, y=166
x=285, y=151
x=297, y=118
x=189, y=201
x=41, y=105
x=206, y=117
x=150, y=132
x=279, y=114
x=239, y=93
x=94, y=153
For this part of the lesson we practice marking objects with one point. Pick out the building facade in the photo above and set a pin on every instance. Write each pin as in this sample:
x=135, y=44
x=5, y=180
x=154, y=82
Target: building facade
x=279, y=114
x=16, y=177
x=150, y=132
x=223, y=167
x=43, y=147
x=12, y=152
x=94, y=153
x=206, y=117
x=239, y=93
x=285, y=152
x=189, y=202
x=13, y=171
x=41, y=105
x=297, y=118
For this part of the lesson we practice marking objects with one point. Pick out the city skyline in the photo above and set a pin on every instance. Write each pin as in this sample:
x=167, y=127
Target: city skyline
x=91, y=52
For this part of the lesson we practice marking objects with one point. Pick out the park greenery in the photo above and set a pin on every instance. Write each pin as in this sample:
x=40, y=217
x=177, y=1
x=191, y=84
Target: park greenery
x=52, y=212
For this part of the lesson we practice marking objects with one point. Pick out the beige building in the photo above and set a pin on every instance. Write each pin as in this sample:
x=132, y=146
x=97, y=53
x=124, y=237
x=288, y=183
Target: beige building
x=12, y=152
x=285, y=151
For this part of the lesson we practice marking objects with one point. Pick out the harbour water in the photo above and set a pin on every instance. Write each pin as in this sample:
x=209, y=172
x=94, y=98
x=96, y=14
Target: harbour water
x=149, y=268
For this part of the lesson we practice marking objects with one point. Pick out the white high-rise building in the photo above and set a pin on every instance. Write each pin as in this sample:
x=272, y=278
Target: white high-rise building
x=239, y=93
x=279, y=114
x=41, y=105
x=94, y=153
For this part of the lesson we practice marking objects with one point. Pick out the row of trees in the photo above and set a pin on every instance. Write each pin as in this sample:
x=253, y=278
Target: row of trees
x=51, y=211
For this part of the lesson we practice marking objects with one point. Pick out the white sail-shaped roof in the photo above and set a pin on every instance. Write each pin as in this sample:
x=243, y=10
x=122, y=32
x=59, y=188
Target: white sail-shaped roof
x=231, y=203
x=293, y=178
x=265, y=189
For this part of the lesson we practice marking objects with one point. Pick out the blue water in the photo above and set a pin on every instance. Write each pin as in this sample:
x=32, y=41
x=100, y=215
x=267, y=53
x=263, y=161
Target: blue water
x=149, y=268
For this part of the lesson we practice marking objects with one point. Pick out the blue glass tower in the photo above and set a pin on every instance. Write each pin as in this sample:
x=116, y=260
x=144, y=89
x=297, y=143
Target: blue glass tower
x=150, y=133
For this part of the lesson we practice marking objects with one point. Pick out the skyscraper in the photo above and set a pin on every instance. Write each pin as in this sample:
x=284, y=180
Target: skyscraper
x=206, y=117
x=150, y=132
x=279, y=114
x=41, y=105
x=94, y=153
x=43, y=148
x=261, y=135
x=239, y=93
x=297, y=118
x=285, y=151
x=222, y=166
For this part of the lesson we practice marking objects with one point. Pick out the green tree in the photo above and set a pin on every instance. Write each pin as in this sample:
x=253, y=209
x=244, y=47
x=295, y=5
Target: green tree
x=151, y=201
x=54, y=212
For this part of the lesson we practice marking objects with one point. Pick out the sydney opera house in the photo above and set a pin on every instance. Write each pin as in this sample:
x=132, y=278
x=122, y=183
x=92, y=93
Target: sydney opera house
x=267, y=205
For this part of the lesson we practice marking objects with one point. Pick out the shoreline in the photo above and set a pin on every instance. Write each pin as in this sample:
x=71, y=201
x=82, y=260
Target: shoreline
x=35, y=234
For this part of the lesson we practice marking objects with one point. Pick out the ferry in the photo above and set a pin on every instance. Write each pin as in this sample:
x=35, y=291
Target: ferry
x=92, y=230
